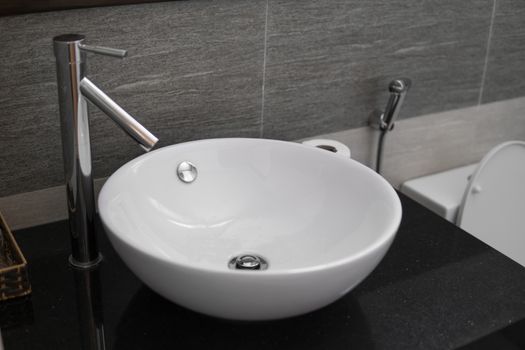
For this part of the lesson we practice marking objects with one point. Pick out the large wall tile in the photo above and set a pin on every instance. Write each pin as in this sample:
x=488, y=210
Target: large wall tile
x=329, y=62
x=505, y=76
x=194, y=71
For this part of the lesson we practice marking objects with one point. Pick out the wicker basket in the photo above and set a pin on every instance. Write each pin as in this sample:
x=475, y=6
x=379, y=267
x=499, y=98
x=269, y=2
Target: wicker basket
x=14, y=281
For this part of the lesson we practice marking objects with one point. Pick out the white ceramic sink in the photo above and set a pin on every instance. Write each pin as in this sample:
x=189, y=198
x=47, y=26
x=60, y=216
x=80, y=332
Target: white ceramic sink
x=322, y=223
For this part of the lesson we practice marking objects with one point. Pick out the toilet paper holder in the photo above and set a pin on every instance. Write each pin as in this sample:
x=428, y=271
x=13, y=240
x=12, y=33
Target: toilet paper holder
x=330, y=146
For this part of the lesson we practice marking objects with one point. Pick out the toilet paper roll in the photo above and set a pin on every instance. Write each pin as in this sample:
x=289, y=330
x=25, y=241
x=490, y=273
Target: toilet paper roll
x=330, y=145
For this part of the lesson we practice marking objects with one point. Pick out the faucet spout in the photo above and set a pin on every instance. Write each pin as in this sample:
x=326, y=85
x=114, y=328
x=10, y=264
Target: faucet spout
x=132, y=127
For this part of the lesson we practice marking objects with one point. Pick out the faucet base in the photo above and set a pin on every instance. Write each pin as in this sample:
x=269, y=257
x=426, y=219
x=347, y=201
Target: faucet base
x=85, y=265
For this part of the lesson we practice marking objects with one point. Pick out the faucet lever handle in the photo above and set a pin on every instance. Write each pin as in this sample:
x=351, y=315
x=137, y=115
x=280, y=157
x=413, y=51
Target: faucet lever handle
x=102, y=50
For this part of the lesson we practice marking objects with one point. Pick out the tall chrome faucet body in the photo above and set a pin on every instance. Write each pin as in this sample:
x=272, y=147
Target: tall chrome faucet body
x=73, y=91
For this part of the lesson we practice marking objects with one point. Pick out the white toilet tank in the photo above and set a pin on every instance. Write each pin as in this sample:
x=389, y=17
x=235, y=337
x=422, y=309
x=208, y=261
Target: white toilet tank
x=486, y=199
x=441, y=192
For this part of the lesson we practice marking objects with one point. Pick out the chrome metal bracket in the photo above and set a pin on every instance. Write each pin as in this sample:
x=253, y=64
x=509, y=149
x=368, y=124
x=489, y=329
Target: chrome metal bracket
x=376, y=121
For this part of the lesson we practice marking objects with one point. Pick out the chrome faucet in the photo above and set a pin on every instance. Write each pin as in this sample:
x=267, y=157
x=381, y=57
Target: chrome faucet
x=384, y=122
x=74, y=88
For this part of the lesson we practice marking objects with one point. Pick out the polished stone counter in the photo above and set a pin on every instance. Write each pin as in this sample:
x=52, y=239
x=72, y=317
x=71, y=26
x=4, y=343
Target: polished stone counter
x=437, y=288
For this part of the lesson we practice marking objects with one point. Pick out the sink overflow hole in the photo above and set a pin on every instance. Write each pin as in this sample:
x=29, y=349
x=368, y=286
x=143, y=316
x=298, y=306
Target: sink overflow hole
x=187, y=172
x=248, y=262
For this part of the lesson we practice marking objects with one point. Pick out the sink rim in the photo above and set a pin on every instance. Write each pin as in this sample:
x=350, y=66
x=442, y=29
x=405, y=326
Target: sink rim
x=385, y=238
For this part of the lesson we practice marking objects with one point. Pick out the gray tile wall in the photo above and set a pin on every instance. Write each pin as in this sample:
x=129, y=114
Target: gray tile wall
x=193, y=71
x=505, y=75
x=329, y=62
x=274, y=68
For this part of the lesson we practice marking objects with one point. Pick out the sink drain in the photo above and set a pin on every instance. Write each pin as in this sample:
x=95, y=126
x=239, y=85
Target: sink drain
x=248, y=262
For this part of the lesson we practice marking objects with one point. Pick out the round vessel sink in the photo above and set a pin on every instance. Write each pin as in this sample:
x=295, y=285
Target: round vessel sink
x=249, y=229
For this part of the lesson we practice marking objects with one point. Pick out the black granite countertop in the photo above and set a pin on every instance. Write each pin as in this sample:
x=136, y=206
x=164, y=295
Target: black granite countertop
x=437, y=288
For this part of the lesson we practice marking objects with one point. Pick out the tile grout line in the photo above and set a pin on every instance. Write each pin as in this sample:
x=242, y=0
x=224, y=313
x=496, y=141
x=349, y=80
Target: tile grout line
x=261, y=130
x=486, y=64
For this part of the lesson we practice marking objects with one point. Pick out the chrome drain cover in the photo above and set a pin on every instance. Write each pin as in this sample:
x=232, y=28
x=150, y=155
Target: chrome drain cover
x=248, y=262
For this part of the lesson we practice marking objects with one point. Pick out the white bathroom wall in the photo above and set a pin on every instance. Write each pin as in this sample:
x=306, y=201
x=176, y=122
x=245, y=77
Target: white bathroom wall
x=439, y=141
